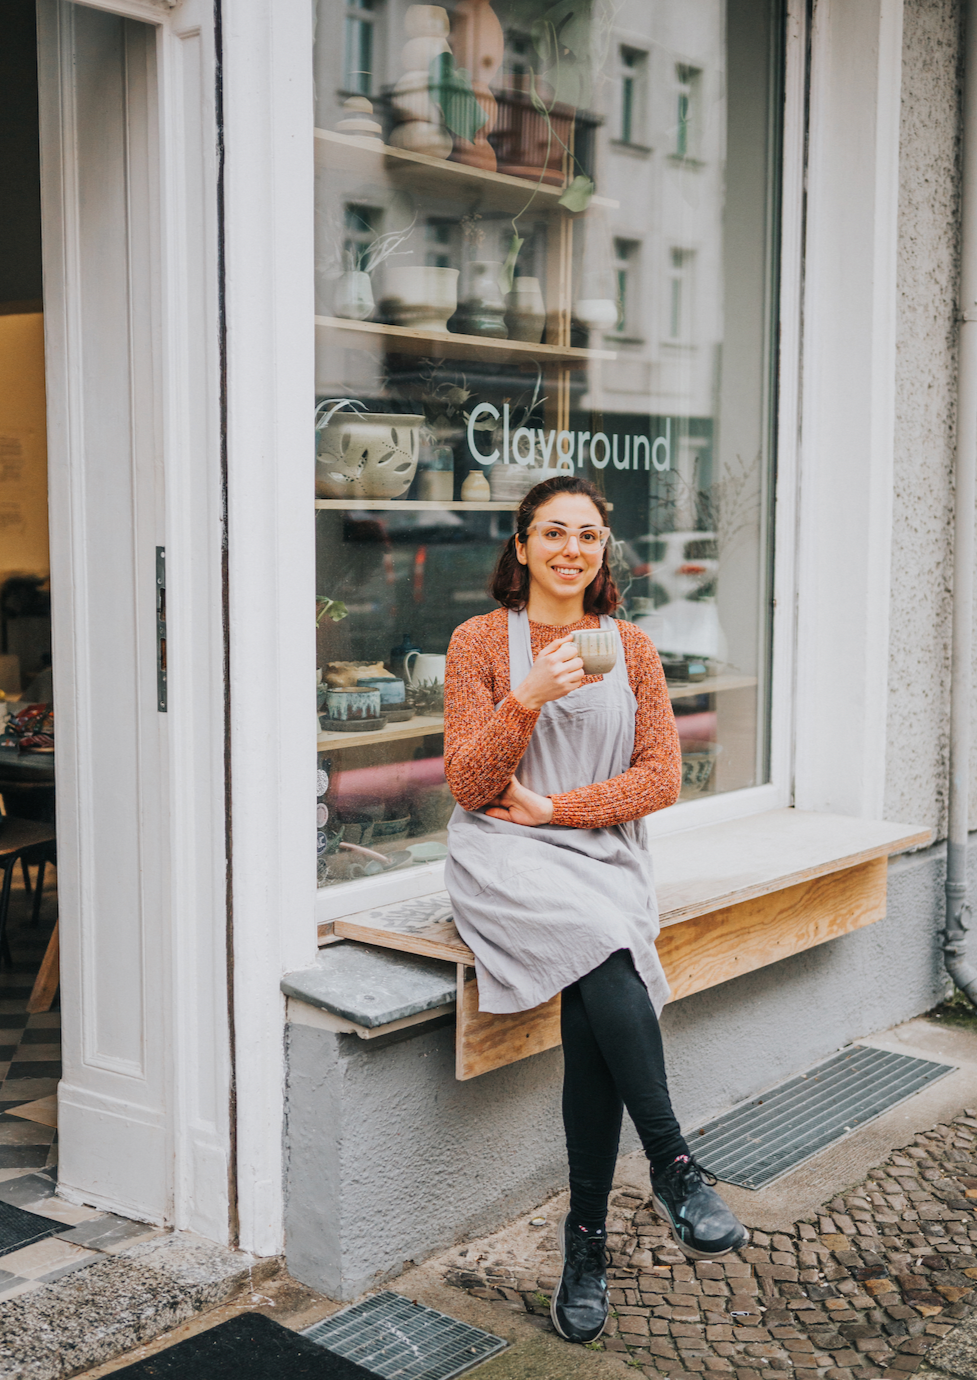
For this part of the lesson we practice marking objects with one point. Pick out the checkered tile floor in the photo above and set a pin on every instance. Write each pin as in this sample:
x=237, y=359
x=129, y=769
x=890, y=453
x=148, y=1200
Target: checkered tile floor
x=30, y=1067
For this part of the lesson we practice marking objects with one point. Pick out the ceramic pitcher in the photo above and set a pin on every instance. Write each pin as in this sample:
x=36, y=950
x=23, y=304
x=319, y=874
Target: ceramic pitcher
x=420, y=666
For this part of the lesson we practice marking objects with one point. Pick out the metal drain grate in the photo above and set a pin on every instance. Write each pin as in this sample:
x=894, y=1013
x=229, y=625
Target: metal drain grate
x=759, y=1141
x=400, y=1340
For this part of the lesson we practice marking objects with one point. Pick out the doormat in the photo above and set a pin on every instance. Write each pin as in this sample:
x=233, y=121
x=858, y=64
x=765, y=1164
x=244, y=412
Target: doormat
x=399, y=1340
x=762, y=1139
x=251, y=1347
x=19, y=1228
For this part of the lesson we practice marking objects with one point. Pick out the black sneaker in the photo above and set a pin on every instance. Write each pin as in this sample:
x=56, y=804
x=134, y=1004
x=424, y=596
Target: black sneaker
x=702, y=1225
x=579, y=1304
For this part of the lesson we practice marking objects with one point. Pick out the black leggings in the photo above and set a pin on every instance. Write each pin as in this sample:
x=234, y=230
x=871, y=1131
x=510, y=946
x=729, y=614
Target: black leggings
x=613, y=1058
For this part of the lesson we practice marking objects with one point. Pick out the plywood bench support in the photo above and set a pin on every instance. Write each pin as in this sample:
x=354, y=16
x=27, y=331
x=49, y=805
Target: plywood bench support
x=696, y=954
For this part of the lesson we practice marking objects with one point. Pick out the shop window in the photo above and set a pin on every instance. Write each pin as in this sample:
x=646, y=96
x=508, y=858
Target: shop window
x=687, y=112
x=633, y=69
x=486, y=315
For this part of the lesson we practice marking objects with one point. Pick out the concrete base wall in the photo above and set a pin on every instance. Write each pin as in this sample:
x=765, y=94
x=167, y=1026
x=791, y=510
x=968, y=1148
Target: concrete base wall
x=390, y=1158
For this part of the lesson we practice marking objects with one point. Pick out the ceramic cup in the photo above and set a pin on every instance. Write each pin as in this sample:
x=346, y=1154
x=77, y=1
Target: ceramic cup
x=598, y=649
x=361, y=703
x=392, y=690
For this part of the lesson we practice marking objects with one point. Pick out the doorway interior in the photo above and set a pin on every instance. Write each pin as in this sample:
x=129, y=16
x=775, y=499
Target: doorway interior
x=30, y=1018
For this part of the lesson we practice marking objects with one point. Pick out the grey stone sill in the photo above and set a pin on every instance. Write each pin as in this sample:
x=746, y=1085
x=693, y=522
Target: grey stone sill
x=372, y=987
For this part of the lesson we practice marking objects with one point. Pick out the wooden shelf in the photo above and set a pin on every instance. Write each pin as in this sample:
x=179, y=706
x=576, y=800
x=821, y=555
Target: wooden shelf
x=408, y=505
x=446, y=345
x=712, y=685
x=418, y=727
x=424, y=505
x=421, y=174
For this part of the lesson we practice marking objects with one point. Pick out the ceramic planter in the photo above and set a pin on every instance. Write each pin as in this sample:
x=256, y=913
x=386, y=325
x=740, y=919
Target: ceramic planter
x=392, y=690
x=476, y=488
x=420, y=297
x=353, y=705
x=367, y=455
x=525, y=311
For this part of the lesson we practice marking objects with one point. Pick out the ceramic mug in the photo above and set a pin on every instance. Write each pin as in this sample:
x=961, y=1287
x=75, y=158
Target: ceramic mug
x=598, y=649
x=423, y=667
x=391, y=689
x=361, y=703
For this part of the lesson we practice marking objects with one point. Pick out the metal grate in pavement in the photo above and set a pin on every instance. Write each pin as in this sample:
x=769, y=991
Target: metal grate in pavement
x=760, y=1140
x=400, y=1340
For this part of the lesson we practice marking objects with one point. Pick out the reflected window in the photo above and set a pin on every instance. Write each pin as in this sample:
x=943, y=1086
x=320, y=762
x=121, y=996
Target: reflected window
x=626, y=254
x=359, y=45
x=633, y=66
x=688, y=81
x=680, y=295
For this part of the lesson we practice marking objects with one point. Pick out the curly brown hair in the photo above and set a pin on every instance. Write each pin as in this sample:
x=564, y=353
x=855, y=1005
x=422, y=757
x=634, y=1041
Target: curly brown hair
x=510, y=579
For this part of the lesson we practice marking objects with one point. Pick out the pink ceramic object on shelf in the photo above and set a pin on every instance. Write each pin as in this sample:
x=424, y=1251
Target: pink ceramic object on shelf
x=478, y=44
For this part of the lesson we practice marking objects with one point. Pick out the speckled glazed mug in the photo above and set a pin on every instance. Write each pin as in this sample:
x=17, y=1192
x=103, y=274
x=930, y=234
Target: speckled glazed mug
x=598, y=649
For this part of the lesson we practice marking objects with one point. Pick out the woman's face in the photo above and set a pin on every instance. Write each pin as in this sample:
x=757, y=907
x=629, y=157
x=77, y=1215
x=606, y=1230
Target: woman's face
x=564, y=573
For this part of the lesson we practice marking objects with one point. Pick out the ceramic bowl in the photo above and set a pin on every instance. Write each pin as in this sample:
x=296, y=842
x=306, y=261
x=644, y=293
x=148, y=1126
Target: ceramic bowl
x=392, y=690
x=598, y=649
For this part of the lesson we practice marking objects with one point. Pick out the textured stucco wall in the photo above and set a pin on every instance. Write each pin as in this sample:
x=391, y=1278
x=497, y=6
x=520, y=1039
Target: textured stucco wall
x=391, y=1159
x=918, y=700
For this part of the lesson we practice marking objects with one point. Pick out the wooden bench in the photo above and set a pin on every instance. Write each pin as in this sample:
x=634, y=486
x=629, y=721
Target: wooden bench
x=733, y=897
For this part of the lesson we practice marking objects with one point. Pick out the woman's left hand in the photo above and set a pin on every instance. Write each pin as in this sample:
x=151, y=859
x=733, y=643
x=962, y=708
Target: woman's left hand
x=521, y=806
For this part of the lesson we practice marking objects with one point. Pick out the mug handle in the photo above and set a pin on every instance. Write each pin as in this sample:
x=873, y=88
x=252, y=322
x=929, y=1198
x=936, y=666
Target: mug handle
x=407, y=674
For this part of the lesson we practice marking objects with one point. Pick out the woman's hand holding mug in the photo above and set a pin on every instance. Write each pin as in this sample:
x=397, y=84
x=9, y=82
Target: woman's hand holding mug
x=556, y=671
x=520, y=805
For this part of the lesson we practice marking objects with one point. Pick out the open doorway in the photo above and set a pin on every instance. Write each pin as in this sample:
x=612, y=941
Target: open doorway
x=30, y=1021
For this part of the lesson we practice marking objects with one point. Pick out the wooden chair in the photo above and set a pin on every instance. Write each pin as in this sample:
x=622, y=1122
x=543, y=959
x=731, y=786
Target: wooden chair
x=21, y=839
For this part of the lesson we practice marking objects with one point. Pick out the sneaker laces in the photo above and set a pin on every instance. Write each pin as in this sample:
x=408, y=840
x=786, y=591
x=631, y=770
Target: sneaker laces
x=587, y=1250
x=684, y=1169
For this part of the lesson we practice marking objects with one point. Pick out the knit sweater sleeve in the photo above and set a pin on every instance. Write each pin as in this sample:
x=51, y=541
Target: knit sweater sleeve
x=483, y=745
x=654, y=779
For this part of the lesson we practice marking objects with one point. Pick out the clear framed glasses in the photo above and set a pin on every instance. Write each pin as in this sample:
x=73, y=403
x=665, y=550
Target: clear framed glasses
x=555, y=535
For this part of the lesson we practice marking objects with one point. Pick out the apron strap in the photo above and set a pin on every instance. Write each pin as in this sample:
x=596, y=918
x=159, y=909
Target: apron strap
x=520, y=647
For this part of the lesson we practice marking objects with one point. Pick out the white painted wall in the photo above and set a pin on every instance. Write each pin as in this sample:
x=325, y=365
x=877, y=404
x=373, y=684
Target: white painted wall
x=268, y=112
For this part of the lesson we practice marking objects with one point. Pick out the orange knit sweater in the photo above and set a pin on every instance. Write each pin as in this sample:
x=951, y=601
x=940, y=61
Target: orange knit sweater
x=483, y=746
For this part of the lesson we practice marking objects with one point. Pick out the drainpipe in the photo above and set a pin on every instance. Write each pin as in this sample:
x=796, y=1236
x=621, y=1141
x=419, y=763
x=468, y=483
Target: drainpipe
x=958, y=911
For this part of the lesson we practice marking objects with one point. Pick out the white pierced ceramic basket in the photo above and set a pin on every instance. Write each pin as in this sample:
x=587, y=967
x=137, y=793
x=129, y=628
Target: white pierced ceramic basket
x=366, y=455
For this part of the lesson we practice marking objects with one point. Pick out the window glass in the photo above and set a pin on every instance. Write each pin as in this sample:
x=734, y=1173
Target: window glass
x=545, y=239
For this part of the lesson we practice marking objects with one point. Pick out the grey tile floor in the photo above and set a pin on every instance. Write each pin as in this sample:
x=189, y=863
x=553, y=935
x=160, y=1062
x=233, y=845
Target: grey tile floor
x=30, y=1068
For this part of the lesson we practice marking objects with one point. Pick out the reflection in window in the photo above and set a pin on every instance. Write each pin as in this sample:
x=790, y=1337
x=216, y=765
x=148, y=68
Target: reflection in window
x=625, y=276
x=686, y=127
x=362, y=225
x=633, y=64
x=358, y=58
x=680, y=294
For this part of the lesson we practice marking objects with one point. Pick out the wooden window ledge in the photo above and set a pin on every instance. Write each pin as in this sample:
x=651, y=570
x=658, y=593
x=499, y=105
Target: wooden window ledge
x=733, y=897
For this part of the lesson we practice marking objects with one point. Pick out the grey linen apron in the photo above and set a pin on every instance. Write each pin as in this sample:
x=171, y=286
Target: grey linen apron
x=542, y=906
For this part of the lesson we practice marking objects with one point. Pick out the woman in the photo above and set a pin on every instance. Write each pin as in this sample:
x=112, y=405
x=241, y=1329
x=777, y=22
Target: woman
x=549, y=874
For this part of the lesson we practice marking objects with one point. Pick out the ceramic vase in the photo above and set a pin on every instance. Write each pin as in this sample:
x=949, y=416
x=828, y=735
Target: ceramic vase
x=366, y=455
x=478, y=44
x=420, y=297
x=420, y=126
x=353, y=300
x=359, y=122
x=525, y=311
x=475, y=488
x=482, y=308
x=436, y=485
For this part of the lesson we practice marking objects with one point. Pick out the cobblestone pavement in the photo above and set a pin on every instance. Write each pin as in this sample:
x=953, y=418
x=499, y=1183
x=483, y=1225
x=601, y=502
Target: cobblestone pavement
x=861, y=1291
